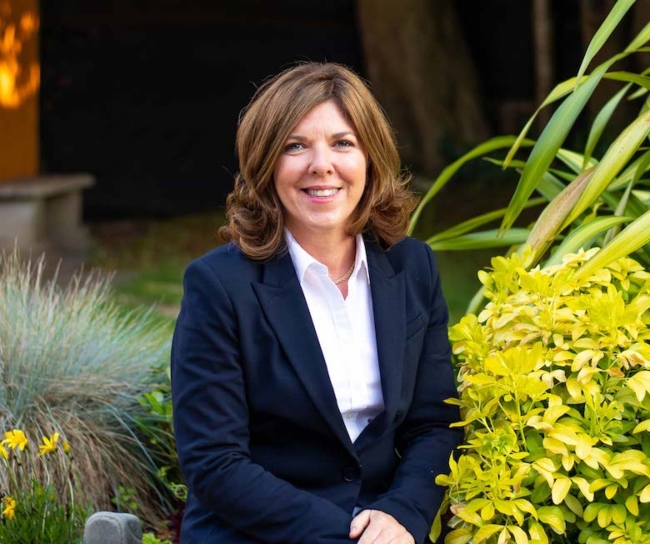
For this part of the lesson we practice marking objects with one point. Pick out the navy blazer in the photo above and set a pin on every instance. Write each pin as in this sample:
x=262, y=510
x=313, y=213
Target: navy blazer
x=261, y=442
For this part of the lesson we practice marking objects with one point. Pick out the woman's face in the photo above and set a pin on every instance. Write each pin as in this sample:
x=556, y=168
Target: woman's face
x=321, y=173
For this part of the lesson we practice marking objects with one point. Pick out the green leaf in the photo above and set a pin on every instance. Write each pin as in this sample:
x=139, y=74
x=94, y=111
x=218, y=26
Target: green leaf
x=491, y=145
x=549, y=143
x=574, y=505
x=604, y=516
x=518, y=533
x=644, y=496
x=559, y=91
x=633, y=237
x=632, y=173
x=642, y=427
x=583, y=236
x=601, y=121
x=474, y=223
x=612, y=163
x=632, y=505
x=640, y=384
x=553, y=517
x=548, y=224
x=592, y=510
x=640, y=40
x=561, y=488
x=486, y=532
x=481, y=240
x=459, y=536
x=641, y=80
x=606, y=28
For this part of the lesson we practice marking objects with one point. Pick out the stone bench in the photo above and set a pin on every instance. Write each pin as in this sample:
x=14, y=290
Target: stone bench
x=44, y=212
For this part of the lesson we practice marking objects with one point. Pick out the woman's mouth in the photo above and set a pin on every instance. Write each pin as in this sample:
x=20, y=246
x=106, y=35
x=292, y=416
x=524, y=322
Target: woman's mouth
x=322, y=193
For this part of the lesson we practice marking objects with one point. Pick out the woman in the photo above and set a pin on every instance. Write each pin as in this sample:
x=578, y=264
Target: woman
x=310, y=360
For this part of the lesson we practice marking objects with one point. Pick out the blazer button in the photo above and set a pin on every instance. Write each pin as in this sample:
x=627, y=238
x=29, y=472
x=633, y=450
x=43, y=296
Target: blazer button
x=350, y=474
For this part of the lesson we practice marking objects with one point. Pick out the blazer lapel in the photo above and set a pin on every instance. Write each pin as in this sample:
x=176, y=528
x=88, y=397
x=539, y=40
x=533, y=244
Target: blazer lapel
x=388, y=302
x=284, y=304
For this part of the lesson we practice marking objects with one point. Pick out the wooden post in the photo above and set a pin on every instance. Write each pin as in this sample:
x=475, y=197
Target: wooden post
x=19, y=84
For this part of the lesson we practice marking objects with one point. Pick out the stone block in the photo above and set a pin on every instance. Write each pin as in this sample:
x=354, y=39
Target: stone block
x=112, y=528
x=44, y=212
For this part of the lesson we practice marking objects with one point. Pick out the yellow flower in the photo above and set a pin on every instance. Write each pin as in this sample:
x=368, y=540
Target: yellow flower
x=3, y=452
x=66, y=447
x=10, y=508
x=15, y=439
x=49, y=444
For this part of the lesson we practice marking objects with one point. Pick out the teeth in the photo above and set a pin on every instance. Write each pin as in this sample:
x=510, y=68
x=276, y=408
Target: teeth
x=322, y=192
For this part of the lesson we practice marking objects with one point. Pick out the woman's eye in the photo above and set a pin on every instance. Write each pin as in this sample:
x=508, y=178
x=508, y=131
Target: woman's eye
x=295, y=146
x=344, y=143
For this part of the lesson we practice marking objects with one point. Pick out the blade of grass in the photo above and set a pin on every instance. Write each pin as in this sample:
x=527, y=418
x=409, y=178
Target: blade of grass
x=640, y=80
x=633, y=237
x=491, y=145
x=549, y=143
x=611, y=164
x=600, y=37
x=559, y=91
x=640, y=40
x=582, y=237
x=476, y=222
x=600, y=123
x=632, y=171
x=482, y=240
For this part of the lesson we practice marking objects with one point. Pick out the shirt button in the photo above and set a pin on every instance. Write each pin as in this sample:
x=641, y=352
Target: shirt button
x=350, y=474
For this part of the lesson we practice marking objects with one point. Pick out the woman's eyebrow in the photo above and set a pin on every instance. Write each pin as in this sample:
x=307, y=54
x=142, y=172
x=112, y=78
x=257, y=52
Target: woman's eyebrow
x=335, y=135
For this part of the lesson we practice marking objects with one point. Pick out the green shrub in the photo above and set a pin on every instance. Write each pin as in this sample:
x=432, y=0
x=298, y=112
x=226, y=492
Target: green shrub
x=555, y=397
x=73, y=362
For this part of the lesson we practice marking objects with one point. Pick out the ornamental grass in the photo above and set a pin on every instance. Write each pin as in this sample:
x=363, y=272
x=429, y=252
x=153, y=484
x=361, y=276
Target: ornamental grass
x=73, y=362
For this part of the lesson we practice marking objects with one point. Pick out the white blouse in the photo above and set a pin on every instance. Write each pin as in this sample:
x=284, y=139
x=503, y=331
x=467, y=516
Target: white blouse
x=346, y=333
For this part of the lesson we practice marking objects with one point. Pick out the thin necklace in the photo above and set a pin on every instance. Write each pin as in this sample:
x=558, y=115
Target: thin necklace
x=345, y=276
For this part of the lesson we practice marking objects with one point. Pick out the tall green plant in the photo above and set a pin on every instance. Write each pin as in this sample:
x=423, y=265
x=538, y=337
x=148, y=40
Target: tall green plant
x=590, y=200
x=75, y=363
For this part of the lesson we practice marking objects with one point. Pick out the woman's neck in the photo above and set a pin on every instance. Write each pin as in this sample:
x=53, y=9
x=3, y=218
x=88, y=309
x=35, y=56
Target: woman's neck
x=337, y=253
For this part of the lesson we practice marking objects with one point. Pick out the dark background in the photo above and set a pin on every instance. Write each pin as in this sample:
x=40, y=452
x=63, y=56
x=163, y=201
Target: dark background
x=145, y=94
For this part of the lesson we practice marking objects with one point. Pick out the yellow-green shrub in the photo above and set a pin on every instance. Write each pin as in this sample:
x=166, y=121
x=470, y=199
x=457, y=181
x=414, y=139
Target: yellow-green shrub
x=554, y=385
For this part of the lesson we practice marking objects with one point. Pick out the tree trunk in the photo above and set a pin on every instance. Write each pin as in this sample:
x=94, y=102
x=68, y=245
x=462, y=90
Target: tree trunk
x=422, y=73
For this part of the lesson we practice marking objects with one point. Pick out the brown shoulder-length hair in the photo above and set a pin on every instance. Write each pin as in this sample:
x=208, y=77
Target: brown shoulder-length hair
x=254, y=211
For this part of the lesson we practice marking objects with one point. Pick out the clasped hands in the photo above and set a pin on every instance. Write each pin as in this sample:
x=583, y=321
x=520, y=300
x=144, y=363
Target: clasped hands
x=377, y=527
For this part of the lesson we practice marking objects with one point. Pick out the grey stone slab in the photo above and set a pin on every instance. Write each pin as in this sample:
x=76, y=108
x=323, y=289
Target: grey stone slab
x=44, y=212
x=44, y=186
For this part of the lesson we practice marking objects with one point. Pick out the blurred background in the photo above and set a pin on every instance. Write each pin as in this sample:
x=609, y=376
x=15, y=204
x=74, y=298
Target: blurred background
x=144, y=95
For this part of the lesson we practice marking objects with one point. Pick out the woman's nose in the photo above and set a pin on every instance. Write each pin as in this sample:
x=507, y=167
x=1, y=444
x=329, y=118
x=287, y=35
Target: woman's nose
x=321, y=161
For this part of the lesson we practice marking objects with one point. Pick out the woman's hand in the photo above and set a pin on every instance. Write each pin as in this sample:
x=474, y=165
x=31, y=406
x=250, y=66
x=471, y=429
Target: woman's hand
x=377, y=527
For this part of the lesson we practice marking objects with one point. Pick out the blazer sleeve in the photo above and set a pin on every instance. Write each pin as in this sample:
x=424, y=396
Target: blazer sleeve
x=212, y=433
x=424, y=439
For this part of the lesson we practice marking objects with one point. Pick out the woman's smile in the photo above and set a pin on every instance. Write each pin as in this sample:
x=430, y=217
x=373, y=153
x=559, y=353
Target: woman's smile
x=321, y=193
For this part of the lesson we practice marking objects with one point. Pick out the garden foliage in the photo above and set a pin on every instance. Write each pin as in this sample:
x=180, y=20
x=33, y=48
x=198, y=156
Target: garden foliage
x=555, y=396
x=75, y=363
x=36, y=506
x=595, y=195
